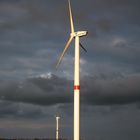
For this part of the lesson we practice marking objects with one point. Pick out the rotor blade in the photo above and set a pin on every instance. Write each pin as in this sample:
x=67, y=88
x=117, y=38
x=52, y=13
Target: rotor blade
x=83, y=47
x=71, y=18
x=64, y=51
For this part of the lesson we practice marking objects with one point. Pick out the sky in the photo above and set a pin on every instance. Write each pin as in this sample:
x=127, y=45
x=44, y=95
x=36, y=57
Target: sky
x=33, y=34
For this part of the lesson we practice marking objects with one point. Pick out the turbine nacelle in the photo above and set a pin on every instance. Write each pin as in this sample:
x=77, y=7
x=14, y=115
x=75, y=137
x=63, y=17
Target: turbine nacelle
x=79, y=33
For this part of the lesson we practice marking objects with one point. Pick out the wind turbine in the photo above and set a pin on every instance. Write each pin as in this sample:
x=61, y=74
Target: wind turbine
x=76, y=36
x=57, y=127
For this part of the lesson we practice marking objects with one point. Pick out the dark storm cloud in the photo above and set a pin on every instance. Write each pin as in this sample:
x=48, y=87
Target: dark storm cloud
x=12, y=109
x=27, y=33
x=56, y=90
x=7, y=108
x=112, y=91
x=38, y=91
x=32, y=12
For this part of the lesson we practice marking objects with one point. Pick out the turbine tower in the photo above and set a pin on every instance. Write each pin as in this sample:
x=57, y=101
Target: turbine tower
x=57, y=126
x=76, y=36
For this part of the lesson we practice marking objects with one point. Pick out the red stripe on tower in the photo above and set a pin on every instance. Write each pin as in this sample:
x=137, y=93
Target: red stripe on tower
x=76, y=87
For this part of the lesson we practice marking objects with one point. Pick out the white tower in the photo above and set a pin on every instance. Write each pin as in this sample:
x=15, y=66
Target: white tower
x=57, y=127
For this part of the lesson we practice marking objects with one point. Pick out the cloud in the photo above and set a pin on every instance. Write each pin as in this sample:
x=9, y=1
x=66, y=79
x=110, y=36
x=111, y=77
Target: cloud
x=122, y=90
x=10, y=109
x=55, y=90
x=38, y=91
